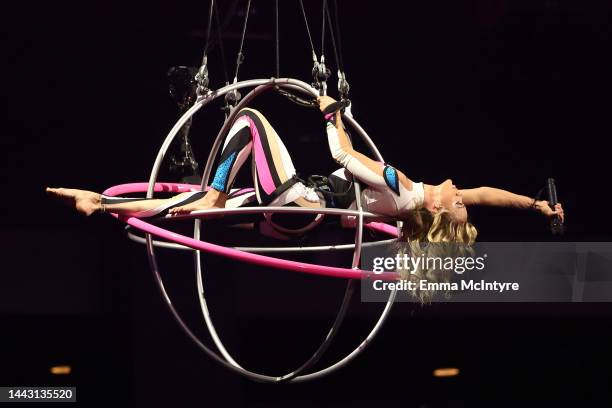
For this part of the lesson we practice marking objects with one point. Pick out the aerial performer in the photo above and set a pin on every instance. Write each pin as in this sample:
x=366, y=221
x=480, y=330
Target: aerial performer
x=429, y=212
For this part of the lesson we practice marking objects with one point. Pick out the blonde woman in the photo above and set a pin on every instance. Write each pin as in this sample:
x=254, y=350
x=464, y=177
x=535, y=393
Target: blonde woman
x=430, y=213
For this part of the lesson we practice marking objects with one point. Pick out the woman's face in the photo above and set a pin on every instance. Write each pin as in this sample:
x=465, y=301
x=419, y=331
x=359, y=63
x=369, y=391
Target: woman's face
x=451, y=200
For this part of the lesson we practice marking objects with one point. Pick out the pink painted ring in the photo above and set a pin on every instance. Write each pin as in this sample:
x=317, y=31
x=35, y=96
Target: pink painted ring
x=257, y=259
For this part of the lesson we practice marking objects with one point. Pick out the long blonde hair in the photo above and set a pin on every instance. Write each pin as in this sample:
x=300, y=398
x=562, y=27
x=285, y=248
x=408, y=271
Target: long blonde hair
x=433, y=235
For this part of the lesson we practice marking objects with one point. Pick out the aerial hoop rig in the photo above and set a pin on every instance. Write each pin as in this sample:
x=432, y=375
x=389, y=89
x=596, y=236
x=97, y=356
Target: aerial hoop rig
x=182, y=242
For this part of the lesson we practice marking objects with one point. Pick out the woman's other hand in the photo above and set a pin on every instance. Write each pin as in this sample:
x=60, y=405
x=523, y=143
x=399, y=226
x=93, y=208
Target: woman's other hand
x=324, y=101
x=544, y=208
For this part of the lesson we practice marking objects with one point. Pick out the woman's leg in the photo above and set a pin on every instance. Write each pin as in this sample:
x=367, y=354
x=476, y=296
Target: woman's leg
x=251, y=133
x=89, y=202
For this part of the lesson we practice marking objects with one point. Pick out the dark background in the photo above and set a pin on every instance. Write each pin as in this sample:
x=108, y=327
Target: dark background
x=498, y=93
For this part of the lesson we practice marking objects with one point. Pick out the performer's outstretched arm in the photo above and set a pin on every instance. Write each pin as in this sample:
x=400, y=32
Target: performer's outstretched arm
x=497, y=197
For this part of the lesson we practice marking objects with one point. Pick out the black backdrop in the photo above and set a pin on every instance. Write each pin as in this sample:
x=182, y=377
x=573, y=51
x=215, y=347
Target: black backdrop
x=501, y=93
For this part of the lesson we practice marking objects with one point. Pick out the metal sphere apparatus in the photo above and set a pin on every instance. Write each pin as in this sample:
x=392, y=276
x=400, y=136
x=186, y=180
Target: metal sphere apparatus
x=253, y=255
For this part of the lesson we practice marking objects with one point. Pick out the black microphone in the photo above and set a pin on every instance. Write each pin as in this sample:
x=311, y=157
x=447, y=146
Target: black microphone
x=556, y=225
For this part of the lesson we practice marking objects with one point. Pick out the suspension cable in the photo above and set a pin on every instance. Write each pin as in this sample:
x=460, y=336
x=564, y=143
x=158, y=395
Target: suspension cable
x=323, y=29
x=343, y=85
x=338, y=36
x=221, y=48
x=314, y=54
x=327, y=14
x=306, y=102
x=240, y=58
x=210, y=15
x=202, y=78
x=276, y=12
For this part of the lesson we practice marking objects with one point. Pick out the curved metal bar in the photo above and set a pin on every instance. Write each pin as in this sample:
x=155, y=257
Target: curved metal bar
x=359, y=229
x=360, y=348
x=358, y=239
x=348, y=294
x=198, y=224
x=190, y=334
x=273, y=210
x=264, y=250
x=389, y=304
x=197, y=228
x=150, y=248
x=318, y=248
x=154, y=173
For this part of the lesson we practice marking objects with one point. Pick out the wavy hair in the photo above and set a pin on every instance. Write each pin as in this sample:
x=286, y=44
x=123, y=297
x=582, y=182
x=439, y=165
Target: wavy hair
x=433, y=235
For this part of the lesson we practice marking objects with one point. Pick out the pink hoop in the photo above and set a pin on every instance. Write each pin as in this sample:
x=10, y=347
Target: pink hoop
x=256, y=259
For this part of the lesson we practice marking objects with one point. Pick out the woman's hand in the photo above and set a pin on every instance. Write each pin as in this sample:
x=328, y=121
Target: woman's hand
x=544, y=208
x=324, y=101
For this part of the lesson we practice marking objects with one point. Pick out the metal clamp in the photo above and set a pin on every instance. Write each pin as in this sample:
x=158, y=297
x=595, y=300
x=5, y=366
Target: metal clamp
x=343, y=85
x=203, y=79
x=320, y=74
x=231, y=99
